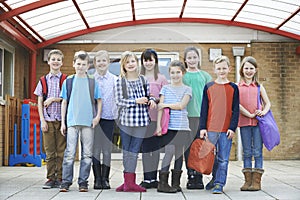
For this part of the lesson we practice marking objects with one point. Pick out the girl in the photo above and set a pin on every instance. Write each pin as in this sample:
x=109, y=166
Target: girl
x=104, y=131
x=196, y=79
x=150, y=145
x=251, y=138
x=132, y=92
x=175, y=96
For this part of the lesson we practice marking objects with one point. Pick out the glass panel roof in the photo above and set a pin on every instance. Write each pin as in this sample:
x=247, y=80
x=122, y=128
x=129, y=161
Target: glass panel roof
x=45, y=22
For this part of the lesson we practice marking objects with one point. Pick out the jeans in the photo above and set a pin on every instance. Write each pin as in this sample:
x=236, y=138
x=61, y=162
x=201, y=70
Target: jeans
x=223, y=147
x=132, y=138
x=103, y=135
x=86, y=141
x=252, y=146
x=54, y=145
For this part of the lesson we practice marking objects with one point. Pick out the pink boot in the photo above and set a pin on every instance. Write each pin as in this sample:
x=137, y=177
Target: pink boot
x=120, y=188
x=130, y=185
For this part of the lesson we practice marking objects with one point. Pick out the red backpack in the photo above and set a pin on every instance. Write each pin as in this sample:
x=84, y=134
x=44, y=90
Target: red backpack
x=45, y=85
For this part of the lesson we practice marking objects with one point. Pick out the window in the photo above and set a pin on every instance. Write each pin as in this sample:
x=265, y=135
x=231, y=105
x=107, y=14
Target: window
x=164, y=58
x=6, y=70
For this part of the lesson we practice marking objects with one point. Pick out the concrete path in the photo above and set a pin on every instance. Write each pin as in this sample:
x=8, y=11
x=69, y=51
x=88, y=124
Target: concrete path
x=281, y=180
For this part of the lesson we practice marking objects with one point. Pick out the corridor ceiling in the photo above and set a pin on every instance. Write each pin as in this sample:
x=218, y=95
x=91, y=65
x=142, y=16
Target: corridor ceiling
x=37, y=24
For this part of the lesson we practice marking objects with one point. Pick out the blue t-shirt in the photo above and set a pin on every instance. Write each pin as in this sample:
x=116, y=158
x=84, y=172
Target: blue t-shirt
x=80, y=107
x=178, y=118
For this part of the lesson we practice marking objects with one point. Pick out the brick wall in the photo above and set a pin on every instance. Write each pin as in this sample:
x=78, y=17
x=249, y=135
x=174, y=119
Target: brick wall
x=278, y=72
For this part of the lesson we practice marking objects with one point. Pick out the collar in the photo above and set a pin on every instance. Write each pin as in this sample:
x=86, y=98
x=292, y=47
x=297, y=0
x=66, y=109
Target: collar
x=54, y=75
x=243, y=83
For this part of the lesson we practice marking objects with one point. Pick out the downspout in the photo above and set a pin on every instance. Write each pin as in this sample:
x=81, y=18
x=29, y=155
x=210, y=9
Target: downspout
x=238, y=52
x=32, y=72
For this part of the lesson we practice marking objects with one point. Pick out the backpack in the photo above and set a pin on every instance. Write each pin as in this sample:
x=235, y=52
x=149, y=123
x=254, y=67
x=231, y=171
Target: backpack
x=43, y=81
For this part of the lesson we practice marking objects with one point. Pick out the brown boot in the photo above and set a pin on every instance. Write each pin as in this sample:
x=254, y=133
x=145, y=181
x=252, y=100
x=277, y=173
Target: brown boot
x=256, y=179
x=248, y=179
x=163, y=185
x=176, y=175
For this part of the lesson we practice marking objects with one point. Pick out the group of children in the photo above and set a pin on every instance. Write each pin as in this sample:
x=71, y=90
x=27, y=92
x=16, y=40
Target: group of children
x=88, y=107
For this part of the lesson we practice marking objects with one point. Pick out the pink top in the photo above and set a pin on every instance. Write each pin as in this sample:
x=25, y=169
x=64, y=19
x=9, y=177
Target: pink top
x=155, y=87
x=248, y=99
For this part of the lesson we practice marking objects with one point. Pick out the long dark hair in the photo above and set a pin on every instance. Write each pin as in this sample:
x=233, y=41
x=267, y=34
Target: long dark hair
x=147, y=55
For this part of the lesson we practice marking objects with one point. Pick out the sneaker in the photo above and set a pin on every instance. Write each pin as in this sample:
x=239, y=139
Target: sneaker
x=145, y=185
x=154, y=184
x=218, y=189
x=210, y=185
x=57, y=183
x=83, y=187
x=49, y=184
x=64, y=187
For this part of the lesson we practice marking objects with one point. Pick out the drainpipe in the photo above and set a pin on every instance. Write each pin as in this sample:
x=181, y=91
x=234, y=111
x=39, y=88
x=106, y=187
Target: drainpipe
x=238, y=52
x=32, y=76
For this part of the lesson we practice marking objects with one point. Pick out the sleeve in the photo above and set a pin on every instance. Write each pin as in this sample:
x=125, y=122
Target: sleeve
x=38, y=90
x=120, y=100
x=97, y=92
x=235, y=108
x=204, y=110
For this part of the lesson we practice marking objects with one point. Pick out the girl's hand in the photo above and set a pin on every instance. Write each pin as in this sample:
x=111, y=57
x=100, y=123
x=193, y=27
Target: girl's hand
x=259, y=113
x=142, y=100
x=158, y=132
x=160, y=106
x=152, y=104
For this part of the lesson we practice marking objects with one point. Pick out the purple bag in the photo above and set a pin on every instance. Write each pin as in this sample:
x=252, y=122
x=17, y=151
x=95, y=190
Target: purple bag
x=268, y=128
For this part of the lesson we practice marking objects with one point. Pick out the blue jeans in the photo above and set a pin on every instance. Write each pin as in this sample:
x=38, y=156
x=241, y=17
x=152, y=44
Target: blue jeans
x=86, y=141
x=252, y=146
x=223, y=147
x=132, y=138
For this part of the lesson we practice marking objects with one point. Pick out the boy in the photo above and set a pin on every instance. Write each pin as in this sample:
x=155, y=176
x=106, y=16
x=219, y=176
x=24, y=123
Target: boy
x=49, y=108
x=78, y=93
x=219, y=119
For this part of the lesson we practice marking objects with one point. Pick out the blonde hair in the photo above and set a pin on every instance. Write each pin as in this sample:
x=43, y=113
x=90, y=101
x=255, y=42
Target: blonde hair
x=55, y=51
x=124, y=58
x=253, y=62
x=100, y=54
x=220, y=59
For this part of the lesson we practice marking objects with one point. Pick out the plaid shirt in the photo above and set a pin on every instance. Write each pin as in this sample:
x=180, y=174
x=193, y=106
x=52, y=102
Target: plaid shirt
x=53, y=112
x=131, y=113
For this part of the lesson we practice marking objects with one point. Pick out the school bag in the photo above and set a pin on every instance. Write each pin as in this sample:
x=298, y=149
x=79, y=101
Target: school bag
x=43, y=81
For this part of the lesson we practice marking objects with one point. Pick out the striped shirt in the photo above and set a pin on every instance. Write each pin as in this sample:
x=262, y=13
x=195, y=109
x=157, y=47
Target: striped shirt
x=53, y=111
x=178, y=118
x=131, y=113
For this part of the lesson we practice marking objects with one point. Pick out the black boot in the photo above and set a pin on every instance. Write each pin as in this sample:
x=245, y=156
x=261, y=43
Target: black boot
x=163, y=185
x=105, y=177
x=97, y=176
x=194, y=180
x=176, y=175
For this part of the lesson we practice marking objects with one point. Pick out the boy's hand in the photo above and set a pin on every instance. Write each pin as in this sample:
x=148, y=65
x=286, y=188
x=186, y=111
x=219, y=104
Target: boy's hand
x=44, y=125
x=230, y=134
x=63, y=129
x=203, y=133
x=96, y=121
